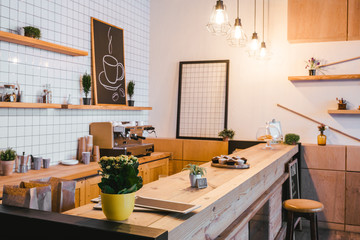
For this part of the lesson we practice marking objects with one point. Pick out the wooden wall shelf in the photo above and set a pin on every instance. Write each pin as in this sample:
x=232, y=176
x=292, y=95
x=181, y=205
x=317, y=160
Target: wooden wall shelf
x=104, y=107
x=65, y=106
x=32, y=42
x=28, y=105
x=325, y=77
x=335, y=111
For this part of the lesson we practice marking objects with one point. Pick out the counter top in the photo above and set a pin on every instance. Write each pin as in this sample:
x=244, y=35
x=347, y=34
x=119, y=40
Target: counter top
x=67, y=172
x=229, y=193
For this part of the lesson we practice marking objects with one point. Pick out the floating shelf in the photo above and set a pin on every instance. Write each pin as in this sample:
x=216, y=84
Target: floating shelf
x=28, y=105
x=324, y=77
x=36, y=43
x=335, y=111
x=105, y=107
x=65, y=106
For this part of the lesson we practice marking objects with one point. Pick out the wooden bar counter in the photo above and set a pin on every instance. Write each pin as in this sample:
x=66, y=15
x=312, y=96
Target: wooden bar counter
x=230, y=194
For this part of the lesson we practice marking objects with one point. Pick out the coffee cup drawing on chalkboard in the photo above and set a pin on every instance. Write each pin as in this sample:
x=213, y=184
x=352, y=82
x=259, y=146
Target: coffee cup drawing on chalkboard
x=113, y=73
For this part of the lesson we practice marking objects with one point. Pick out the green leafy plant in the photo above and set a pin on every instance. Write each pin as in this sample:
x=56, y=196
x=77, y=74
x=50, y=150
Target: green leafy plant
x=227, y=133
x=32, y=32
x=86, y=83
x=120, y=175
x=130, y=88
x=8, y=155
x=291, y=138
x=195, y=169
x=322, y=128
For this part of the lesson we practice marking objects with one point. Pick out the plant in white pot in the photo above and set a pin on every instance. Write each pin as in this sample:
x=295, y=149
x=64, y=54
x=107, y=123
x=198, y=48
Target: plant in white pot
x=118, y=185
x=7, y=161
x=195, y=172
x=86, y=84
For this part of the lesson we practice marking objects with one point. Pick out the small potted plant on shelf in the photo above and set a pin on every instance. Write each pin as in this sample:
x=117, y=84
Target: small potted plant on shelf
x=118, y=185
x=32, y=32
x=86, y=83
x=291, y=138
x=322, y=138
x=227, y=134
x=7, y=161
x=312, y=64
x=341, y=104
x=130, y=92
x=195, y=172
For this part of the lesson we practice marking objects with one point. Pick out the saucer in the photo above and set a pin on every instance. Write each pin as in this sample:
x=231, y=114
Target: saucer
x=106, y=84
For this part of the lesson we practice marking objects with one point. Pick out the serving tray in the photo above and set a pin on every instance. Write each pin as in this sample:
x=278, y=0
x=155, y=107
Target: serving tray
x=243, y=166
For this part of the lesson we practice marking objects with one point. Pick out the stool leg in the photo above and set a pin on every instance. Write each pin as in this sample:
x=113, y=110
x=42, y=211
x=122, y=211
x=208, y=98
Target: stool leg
x=290, y=226
x=314, y=226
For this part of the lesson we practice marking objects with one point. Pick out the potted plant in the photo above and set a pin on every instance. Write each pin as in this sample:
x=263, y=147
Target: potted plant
x=86, y=83
x=312, y=64
x=291, y=138
x=195, y=172
x=341, y=104
x=130, y=91
x=118, y=185
x=227, y=134
x=32, y=32
x=321, y=139
x=7, y=161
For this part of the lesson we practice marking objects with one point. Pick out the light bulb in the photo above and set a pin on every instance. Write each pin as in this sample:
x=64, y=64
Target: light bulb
x=263, y=50
x=254, y=43
x=237, y=33
x=219, y=18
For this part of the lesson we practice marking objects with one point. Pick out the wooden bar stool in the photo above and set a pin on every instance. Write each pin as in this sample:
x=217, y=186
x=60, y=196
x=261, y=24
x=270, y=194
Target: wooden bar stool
x=302, y=208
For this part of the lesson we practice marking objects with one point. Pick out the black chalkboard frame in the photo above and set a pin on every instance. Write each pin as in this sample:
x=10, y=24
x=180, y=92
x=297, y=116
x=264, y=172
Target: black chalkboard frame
x=96, y=92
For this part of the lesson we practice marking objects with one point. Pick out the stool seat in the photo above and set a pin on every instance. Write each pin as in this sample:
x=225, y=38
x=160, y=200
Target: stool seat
x=303, y=205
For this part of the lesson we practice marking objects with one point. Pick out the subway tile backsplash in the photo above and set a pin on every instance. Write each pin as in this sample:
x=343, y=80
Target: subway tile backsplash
x=53, y=133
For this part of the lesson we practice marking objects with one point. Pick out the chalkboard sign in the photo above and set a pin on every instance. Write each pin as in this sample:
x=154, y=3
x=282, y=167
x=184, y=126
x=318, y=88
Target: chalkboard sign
x=294, y=179
x=108, y=65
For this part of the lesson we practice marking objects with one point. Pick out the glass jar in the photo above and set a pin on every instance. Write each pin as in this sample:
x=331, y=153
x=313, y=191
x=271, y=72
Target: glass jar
x=9, y=94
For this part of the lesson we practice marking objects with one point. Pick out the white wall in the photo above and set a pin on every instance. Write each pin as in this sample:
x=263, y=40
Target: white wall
x=53, y=133
x=178, y=33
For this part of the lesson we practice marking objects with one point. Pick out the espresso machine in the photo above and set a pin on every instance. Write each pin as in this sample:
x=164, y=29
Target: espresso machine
x=116, y=138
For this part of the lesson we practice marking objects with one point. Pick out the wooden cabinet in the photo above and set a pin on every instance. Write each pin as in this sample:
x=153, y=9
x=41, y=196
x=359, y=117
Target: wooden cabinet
x=152, y=170
x=353, y=198
x=80, y=194
x=323, y=20
x=353, y=20
x=86, y=189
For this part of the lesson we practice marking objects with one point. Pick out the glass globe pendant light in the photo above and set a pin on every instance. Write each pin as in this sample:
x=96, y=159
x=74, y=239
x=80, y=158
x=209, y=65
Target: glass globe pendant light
x=237, y=36
x=254, y=43
x=219, y=21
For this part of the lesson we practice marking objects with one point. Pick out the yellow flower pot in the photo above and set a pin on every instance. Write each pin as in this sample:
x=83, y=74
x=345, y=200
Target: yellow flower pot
x=117, y=207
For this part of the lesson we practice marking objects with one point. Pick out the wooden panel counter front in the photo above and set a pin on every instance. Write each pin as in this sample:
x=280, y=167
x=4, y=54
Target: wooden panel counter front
x=229, y=194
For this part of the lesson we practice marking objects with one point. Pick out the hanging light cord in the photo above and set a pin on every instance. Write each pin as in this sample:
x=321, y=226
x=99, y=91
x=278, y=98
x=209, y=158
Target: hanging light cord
x=254, y=15
x=263, y=21
x=237, y=8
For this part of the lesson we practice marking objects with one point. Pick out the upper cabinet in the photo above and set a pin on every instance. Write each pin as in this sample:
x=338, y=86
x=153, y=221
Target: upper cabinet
x=323, y=20
x=354, y=20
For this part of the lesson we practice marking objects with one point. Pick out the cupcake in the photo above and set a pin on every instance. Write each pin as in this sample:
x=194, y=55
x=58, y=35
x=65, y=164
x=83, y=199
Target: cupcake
x=215, y=159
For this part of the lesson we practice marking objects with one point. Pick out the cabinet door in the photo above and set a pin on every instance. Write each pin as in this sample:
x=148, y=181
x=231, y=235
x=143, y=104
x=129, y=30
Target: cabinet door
x=327, y=187
x=157, y=168
x=92, y=188
x=175, y=166
x=317, y=21
x=80, y=193
x=353, y=198
x=354, y=20
x=144, y=173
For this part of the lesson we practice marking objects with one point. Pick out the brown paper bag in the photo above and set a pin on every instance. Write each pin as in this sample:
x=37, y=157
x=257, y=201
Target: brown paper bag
x=43, y=193
x=62, y=193
x=13, y=195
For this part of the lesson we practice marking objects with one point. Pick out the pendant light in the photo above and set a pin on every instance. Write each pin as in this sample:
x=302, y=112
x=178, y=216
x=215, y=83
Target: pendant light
x=254, y=43
x=219, y=20
x=263, y=50
x=237, y=36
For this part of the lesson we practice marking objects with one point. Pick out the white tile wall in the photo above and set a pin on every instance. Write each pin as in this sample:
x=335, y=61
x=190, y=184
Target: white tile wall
x=54, y=132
